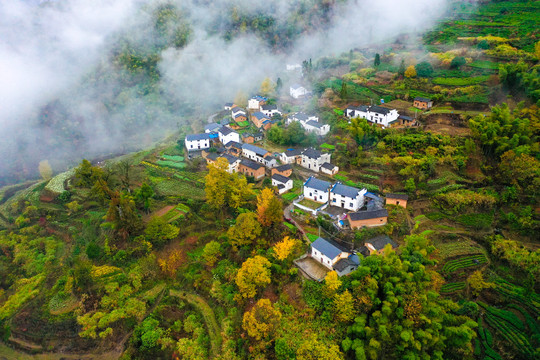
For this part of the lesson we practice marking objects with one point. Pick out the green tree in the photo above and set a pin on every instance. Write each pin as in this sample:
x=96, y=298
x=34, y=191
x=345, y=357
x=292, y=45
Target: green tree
x=424, y=69
x=402, y=68
x=122, y=216
x=457, y=62
x=86, y=174
x=143, y=195
x=158, y=231
x=377, y=60
x=343, y=92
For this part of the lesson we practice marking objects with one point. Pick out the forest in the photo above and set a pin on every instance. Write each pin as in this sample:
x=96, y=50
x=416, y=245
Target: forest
x=157, y=254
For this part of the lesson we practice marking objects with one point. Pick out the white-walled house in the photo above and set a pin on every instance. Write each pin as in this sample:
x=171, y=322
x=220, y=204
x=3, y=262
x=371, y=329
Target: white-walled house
x=270, y=161
x=316, y=127
x=197, y=141
x=211, y=128
x=310, y=123
x=317, y=190
x=334, y=257
x=256, y=102
x=313, y=159
x=283, y=183
x=301, y=117
x=237, y=110
x=290, y=156
x=233, y=162
x=375, y=114
x=226, y=135
x=228, y=106
x=329, y=169
x=297, y=91
x=347, y=197
x=255, y=153
x=270, y=110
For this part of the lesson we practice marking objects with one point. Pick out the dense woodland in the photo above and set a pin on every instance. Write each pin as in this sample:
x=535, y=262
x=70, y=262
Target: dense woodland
x=152, y=255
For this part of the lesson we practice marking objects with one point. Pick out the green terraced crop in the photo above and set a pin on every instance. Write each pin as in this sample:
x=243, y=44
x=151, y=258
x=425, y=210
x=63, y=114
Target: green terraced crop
x=452, y=287
x=463, y=263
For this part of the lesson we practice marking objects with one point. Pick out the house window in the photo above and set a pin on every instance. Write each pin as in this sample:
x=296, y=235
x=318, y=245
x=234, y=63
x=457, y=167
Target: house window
x=320, y=197
x=311, y=194
x=334, y=200
x=351, y=205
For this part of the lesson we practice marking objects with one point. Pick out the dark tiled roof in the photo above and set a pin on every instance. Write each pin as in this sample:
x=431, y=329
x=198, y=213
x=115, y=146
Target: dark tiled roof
x=212, y=156
x=237, y=109
x=259, y=98
x=251, y=164
x=363, y=250
x=280, y=178
x=285, y=167
x=233, y=144
x=225, y=130
x=423, y=99
x=239, y=115
x=269, y=107
x=317, y=184
x=295, y=152
x=398, y=196
x=365, y=215
x=231, y=159
x=343, y=264
x=246, y=135
x=229, y=104
x=314, y=124
x=269, y=158
x=328, y=166
x=326, y=248
x=312, y=153
x=259, y=115
x=345, y=190
x=257, y=150
x=212, y=127
x=379, y=242
x=195, y=137
x=301, y=116
x=405, y=117
x=379, y=109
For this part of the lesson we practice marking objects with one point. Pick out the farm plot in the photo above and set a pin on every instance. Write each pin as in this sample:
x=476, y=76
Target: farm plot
x=450, y=288
x=463, y=263
x=510, y=327
x=178, y=212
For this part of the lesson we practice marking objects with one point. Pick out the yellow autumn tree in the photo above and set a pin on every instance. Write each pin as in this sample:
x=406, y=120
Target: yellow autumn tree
x=410, y=72
x=217, y=183
x=245, y=231
x=331, y=284
x=240, y=191
x=314, y=349
x=284, y=248
x=261, y=321
x=537, y=50
x=211, y=252
x=344, y=307
x=45, y=169
x=171, y=261
x=267, y=87
x=254, y=273
x=477, y=283
x=269, y=208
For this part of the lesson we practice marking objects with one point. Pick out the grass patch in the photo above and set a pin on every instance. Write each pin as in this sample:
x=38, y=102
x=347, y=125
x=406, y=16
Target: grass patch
x=476, y=221
x=243, y=123
x=460, y=81
x=171, y=164
x=175, y=158
x=289, y=196
x=328, y=146
x=312, y=237
x=484, y=64
x=310, y=204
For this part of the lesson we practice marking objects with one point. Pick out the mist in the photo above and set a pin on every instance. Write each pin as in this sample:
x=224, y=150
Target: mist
x=64, y=96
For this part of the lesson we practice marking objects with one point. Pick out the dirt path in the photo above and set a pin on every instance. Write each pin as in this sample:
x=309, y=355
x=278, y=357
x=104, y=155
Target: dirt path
x=214, y=331
x=288, y=216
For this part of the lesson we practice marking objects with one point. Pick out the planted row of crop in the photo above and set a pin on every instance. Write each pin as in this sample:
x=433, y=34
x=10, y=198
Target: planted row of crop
x=518, y=294
x=507, y=325
x=464, y=262
x=486, y=339
x=451, y=287
x=531, y=322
